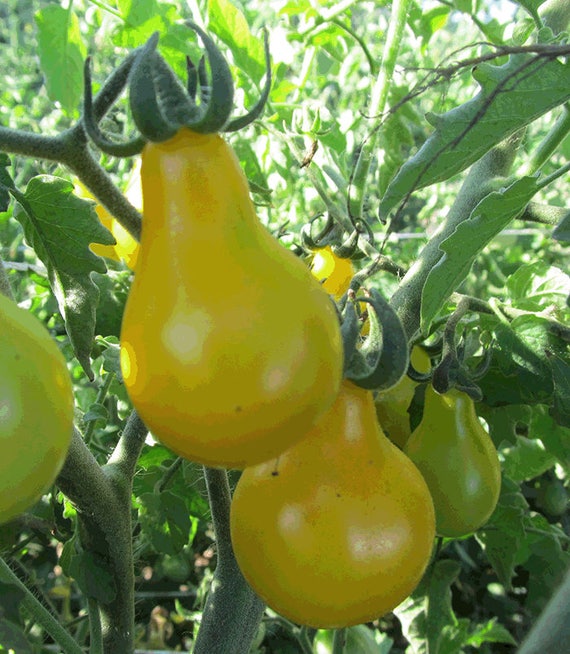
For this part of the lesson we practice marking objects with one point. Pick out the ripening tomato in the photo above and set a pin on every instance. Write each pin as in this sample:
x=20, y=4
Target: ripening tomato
x=333, y=271
x=392, y=405
x=230, y=349
x=338, y=529
x=458, y=460
x=36, y=410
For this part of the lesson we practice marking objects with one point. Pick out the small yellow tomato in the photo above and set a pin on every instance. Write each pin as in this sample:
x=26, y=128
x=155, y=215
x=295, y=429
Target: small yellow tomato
x=333, y=271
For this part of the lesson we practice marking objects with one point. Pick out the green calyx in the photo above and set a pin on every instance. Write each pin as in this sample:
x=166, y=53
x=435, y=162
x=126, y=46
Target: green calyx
x=161, y=105
x=381, y=359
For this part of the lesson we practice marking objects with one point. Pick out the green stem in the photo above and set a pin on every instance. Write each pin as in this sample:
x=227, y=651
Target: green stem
x=378, y=101
x=553, y=625
x=39, y=613
x=102, y=497
x=95, y=632
x=339, y=641
x=5, y=288
x=549, y=144
x=544, y=214
x=101, y=395
x=233, y=611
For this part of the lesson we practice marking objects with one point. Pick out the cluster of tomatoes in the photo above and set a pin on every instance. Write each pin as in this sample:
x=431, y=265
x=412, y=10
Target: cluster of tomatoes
x=240, y=366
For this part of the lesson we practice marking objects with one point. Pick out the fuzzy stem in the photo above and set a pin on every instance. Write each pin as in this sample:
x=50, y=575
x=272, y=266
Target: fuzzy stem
x=233, y=611
x=5, y=288
x=102, y=497
x=549, y=144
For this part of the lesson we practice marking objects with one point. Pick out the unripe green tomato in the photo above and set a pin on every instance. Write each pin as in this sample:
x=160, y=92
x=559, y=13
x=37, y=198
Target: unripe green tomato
x=392, y=405
x=458, y=460
x=552, y=498
x=36, y=410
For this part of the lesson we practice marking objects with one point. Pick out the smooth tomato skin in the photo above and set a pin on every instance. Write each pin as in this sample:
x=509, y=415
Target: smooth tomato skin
x=334, y=272
x=338, y=530
x=458, y=461
x=392, y=405
x=36, y=410
x=230, y=348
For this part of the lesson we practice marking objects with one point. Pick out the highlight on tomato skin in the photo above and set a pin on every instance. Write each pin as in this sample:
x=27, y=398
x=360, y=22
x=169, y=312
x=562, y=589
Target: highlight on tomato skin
x=339, y=529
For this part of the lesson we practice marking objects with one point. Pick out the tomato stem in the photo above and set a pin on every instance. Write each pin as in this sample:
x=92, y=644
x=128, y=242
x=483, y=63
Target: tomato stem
x=39, y=613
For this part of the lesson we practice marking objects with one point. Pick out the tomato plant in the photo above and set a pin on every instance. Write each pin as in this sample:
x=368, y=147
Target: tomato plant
x=36, y=410
x=443, y=177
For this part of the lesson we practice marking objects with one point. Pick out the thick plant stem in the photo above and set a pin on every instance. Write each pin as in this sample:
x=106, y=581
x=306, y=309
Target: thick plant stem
x=483, y=178
x=233, y=611
x=102, y=497
x=553, y=625
x=40, y=614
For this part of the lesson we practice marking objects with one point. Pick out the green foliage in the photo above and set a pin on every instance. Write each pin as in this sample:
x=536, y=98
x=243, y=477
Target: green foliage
x=480, y=593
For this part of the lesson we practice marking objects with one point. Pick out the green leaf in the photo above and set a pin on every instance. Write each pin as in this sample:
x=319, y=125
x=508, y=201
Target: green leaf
x=538, y=285
x=96, y=412
x=511, y=97
x=520, y=371
x=60, y=227
x=502, y=537
x=89, y=569
x=230, y=25
x=165, y=521
x=12, y=636
x=531, y=6
x=488, y=218
x=439, y=611
x=61, y=48
x=527, y=459
x=555, y=437
x=561, y=378
x=490, y=632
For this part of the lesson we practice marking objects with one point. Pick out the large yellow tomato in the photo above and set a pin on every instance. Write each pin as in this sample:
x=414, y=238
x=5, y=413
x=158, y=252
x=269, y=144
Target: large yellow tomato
x=458, y=461
x=338, y=530
x=333, y=271
x=230, y=349
x=392, y=405
x=36, y=410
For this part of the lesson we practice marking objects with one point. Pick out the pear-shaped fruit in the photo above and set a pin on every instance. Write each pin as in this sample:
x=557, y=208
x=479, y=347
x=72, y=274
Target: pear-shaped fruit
x=231, y=350
x=338, y=530
x=458, y=461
